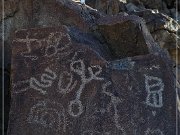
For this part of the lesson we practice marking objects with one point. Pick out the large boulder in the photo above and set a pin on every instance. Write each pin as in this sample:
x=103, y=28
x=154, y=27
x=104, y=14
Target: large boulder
x=125, y=35
x=61, y=87
x=21, y=14
x=163, y=29
x=67, y=80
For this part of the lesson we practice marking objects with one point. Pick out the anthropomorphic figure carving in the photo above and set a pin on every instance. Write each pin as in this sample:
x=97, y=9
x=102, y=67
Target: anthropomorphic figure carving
x=78, y=67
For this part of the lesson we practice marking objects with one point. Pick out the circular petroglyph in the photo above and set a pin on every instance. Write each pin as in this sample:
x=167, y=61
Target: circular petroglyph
x=75, y=108
x=49, y=115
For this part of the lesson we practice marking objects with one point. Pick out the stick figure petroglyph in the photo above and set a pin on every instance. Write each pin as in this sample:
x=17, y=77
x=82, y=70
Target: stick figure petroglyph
x=114, y=102
x=46, y=81
x=154, y=90
x=78, y=67
x=45, y=114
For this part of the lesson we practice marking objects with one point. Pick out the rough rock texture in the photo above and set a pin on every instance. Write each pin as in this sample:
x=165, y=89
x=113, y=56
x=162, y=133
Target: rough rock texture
x=152, y=4
x=22, y=14
x=163, y=28
x=165, y=32
x=110, y=7
x=164, y=6
x=41, y=13
x=88, y=30
x=69, y=86
x=124, y=35
x=10, y=7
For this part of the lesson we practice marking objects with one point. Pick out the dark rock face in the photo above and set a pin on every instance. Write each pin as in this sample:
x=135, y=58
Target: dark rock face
x=51, y=85
x=124, y=34
x=110, y=7
x=163, y=29
x=10, y=7
x=21, y=14
x=79, y=71
x=61, y=87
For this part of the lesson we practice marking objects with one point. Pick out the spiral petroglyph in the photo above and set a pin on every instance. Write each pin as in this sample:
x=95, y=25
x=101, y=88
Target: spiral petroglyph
x=46, y=81
x=49, y=115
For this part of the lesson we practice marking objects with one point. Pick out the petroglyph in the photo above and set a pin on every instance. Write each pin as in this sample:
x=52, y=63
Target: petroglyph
x=69, y=86
x=21, y=86
x=153, y=132
x=154, y=90
x=46, y=81
x=75, y=103
x=114, y=102
x=154, y=113
x=78, y=67
x=51, y=51
x=58, y=42
x=28, y=45
x=93, y=96
x=48, y=115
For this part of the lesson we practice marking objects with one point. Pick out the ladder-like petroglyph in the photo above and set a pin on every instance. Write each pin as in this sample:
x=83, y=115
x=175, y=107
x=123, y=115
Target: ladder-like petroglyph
x=154, y=87
x=78, y=67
